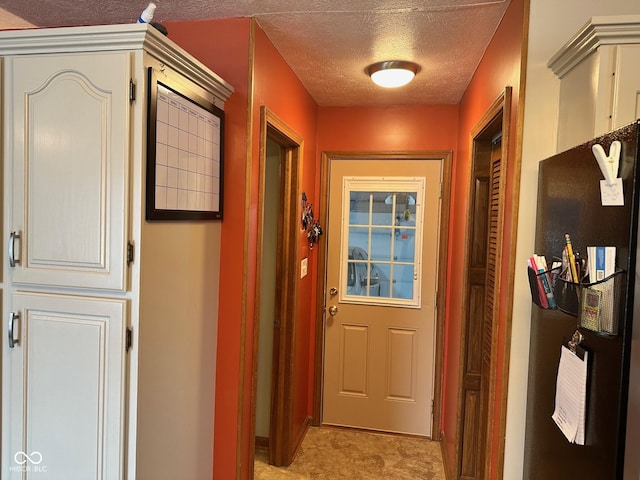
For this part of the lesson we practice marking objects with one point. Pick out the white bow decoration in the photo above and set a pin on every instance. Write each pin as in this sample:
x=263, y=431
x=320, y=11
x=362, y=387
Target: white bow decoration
x=609, y=164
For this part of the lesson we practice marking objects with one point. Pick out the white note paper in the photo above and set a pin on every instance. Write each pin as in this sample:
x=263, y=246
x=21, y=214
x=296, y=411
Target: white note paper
x=611, y=195
x=571, y=396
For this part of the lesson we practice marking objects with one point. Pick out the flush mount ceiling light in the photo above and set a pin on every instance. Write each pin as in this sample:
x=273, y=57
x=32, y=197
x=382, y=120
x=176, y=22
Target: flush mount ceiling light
x=392, y=73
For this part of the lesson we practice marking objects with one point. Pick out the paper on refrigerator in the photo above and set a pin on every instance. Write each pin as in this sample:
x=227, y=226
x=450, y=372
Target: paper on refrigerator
x=571, y=396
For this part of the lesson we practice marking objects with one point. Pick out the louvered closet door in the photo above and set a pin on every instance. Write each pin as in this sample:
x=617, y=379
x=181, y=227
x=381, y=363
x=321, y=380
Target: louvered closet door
x=67, y=145
x=483, y=273
x=491, y=298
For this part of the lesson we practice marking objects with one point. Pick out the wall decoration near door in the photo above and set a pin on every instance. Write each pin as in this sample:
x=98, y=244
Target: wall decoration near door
x=184, y=153
x=311, y=226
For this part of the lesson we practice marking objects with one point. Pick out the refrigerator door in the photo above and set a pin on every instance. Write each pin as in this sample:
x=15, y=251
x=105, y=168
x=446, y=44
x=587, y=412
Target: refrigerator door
x=632, y=453
x=569, y=202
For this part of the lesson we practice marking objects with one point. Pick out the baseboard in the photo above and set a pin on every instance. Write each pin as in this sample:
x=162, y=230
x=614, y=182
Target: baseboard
x=301, y=433
x=262, y=442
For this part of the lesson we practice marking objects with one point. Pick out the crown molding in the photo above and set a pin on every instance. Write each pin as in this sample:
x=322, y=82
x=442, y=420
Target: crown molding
x=108, y=38
x=599, y=31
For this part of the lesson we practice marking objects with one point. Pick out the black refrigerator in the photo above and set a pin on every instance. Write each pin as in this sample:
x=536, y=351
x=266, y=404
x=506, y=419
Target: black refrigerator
x=569, y=201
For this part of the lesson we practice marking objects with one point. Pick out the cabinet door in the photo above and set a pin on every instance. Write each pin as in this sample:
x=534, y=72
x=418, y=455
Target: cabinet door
x=63, y=388
x=67, y=144
x=626, y=101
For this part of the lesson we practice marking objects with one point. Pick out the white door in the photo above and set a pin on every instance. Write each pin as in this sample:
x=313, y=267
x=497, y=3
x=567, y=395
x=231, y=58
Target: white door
x=381, y=281
x=63, y=384
x=67, y=145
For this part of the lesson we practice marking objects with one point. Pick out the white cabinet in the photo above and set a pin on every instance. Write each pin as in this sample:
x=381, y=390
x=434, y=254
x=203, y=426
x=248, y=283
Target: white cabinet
x=68, y=139
x=65, y=373
x=599, y=71
x=108, y=361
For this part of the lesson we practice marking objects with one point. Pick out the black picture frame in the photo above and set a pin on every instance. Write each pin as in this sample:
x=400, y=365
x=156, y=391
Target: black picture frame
x=184, y=167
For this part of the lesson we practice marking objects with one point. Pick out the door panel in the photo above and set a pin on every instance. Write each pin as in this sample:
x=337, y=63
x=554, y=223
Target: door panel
x=354, y=364
x=479, y=335
x=379, y=344
x=401, y=367
x=67, y=162
x=626, y=106
x=66, y=382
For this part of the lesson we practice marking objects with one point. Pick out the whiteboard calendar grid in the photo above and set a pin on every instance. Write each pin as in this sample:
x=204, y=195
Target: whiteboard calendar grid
x=188, y=164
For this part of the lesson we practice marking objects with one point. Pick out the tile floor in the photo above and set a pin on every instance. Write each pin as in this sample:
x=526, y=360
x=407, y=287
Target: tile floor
x=329, y=453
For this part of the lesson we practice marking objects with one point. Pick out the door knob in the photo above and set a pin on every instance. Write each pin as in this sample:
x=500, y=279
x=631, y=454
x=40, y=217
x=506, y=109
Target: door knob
x=333, y=310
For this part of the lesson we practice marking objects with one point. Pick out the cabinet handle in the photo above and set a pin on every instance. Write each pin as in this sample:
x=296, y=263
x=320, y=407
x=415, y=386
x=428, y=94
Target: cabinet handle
x=13, y=316
x=12, y=242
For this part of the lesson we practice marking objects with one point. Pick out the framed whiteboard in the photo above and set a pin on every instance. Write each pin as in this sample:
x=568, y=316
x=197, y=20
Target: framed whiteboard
x=184, y=153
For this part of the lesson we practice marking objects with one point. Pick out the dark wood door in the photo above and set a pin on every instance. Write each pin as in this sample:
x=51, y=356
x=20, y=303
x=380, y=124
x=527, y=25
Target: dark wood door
x=479, y=325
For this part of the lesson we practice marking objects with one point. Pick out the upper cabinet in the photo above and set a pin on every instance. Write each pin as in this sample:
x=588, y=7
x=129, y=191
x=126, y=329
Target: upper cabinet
x=599, y=70
x=68, y=143
x=75, y=147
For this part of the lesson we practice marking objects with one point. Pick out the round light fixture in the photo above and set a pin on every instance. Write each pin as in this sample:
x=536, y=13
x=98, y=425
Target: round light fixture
x=392, y=73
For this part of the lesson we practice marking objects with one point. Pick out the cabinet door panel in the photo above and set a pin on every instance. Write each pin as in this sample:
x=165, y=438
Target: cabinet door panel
x=65, y=379
x=626, y=101
x=69, y=170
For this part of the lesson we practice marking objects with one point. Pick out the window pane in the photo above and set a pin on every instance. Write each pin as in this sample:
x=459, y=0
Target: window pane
x=382, y=208
x=403, y=281
x=359, y=237
x=381, y=244
x=382, y=271
x=406, y=209
x=359, y=208
x=404, y=246
x=356, y=278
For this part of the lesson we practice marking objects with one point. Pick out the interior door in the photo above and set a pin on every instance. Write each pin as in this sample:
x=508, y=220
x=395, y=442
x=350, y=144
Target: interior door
x=479, y=325
x=383, y=235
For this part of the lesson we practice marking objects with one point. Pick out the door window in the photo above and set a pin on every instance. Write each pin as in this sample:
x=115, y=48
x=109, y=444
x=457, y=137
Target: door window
x=381, y=239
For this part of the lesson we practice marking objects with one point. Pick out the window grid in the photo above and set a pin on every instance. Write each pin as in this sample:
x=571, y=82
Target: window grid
x=367, y=266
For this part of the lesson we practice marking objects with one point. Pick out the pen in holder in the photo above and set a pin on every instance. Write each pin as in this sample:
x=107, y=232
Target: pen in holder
x=541, y=285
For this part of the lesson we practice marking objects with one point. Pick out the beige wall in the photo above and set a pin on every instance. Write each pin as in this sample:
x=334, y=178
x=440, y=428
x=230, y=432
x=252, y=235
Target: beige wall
x=552, y=24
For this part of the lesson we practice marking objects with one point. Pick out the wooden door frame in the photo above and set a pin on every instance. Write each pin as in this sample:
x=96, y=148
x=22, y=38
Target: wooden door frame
x=441, y=285
x=499, y=109
x=281, y=450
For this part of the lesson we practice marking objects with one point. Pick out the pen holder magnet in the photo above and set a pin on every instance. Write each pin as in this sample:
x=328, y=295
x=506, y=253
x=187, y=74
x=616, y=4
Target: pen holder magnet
x=595, y=304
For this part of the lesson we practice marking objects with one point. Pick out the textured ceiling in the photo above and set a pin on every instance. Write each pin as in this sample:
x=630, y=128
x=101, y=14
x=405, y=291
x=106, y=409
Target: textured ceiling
x=328, y=43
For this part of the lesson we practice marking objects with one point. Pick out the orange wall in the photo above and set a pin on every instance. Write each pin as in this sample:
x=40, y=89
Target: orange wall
x=500, y=67
x=411, y=127
x=239, y=51
x=277, y=88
